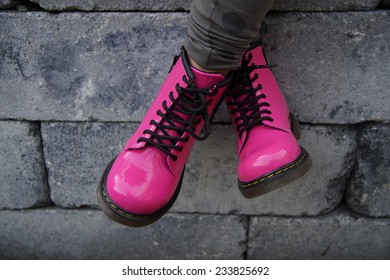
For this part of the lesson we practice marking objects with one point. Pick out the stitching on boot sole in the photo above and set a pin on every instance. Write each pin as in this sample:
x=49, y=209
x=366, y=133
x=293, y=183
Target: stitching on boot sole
x=275, y=173
x=119, y=210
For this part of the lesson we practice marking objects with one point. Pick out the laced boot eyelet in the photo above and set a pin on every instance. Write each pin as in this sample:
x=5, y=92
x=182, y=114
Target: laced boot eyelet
x=246, y=96
x=185, y=112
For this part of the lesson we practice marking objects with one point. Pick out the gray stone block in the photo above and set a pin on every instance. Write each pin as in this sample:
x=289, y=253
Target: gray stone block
x=333, y=67
x=329, y=5
x=22, y=175
x=89, y=234
x=109, y=66
x=8, y=3
x=77, y=66
x=369, y=191
x=115, y=5
x=338, y=235
x=184, y=5
x=76, y=155
x=210, y=182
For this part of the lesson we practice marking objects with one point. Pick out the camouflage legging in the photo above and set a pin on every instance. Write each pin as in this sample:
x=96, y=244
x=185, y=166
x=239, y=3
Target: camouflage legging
x=221, y=30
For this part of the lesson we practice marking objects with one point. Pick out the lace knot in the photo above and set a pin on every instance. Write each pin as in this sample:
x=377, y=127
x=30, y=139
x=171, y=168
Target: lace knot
x=187, y=111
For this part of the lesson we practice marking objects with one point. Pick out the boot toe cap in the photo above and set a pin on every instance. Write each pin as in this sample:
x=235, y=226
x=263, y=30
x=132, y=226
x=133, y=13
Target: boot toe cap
x=266, y=155
x=139, y=184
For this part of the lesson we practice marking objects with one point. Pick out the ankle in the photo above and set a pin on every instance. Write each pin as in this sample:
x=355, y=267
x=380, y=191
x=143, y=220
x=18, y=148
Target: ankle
x=197, y=66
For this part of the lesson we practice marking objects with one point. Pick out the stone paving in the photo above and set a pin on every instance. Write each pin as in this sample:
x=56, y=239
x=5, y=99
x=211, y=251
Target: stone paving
x=76, y=78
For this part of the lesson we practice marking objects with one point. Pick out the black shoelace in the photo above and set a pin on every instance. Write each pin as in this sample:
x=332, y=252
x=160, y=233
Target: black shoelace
x=191, y=101
x=251, y=111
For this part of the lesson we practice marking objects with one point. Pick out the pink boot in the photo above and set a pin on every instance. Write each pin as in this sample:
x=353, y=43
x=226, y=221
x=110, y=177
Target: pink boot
x=269, y=155
x=140, y=185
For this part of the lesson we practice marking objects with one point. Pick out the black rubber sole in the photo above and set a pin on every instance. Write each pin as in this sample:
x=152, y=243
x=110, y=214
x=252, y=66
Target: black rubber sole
x=278, y=178
x=122, y=216
x=281, y=176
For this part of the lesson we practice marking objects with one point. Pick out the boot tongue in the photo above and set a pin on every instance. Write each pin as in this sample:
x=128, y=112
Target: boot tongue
x=206, y=80
x=202, y=80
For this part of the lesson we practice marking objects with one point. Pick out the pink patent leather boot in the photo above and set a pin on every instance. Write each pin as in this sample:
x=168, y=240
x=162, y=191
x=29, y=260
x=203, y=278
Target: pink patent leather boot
x=140, y=185
x=269, y=155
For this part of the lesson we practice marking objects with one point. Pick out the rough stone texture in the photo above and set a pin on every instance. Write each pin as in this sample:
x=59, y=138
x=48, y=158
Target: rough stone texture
x=76, y=155
x=184, y=5
x=369, y=192
x=109, y=66
x=328, y=5
x=333, y=66
x=89, y=234
x=115, y=5
x=335, y=236
x=7, y=3
x=22, y=175
x=210, y=182
x=77, y=66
